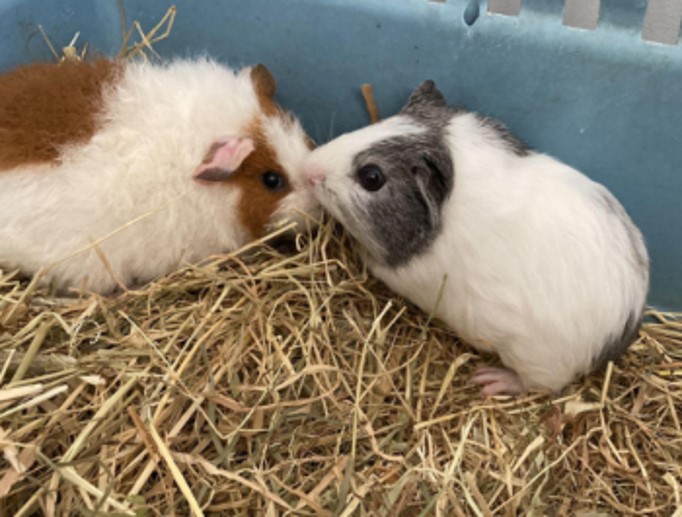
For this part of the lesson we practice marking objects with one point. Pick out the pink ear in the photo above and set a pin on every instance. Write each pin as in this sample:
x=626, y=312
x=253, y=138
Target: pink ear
x=223, y=158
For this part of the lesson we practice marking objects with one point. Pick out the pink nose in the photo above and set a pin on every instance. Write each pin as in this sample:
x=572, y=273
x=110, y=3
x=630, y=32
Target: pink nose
x=314, y=175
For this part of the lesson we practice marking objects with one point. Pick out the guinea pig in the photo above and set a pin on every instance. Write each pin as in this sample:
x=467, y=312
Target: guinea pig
x=518, y=253
x=114, y=173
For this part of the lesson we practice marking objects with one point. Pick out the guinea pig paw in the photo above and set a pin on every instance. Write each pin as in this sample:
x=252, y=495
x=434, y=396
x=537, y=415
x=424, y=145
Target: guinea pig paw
x=497, y=381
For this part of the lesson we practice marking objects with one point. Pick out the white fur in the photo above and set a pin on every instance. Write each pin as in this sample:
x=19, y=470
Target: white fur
x=131, y=184
x=531, y=264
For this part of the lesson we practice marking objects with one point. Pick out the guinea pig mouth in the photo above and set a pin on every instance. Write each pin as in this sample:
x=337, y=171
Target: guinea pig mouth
x=327, y=197
x=351, y=219
x=321, y=189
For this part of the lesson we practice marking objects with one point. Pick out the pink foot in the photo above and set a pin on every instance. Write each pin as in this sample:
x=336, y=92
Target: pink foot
x=498, y=381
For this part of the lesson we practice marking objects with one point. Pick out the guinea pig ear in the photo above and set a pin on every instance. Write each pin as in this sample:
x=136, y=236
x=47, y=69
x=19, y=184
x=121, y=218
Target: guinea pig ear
x=424, y=97
x=263, y=81
x=434, y=180
x=223, y=158
x=265, y=86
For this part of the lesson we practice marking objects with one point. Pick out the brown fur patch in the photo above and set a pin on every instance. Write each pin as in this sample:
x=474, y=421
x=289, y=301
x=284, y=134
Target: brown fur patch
x=44, y=106
x=257, y=203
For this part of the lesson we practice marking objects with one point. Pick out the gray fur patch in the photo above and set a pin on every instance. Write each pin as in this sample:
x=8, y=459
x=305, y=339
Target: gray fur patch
x=509, y=139
x=619, y=342
x=428, y=105
x=405, y=215
x=638, y=249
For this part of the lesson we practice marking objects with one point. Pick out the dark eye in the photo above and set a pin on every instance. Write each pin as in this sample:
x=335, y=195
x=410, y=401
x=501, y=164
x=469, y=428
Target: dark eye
x=371, y=178
x=273, y=180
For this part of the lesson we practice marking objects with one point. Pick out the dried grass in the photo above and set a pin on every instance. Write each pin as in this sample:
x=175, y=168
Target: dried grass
x=130, y=49
x=268, y=383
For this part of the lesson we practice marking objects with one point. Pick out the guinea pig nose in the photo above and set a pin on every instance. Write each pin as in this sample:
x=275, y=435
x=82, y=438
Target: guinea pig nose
x=314, y=175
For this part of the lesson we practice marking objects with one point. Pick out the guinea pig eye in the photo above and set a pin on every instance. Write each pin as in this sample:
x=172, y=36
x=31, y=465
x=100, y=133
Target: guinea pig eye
x=371, y=178
x=273, y=181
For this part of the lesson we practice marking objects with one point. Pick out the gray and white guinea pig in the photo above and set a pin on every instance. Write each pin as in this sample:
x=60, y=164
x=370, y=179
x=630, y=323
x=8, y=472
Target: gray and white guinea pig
x=520, y=254
x=115, y=172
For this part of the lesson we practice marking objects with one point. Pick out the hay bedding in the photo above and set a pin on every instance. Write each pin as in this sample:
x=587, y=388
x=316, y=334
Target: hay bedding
x=263, y=383
x=268, y=384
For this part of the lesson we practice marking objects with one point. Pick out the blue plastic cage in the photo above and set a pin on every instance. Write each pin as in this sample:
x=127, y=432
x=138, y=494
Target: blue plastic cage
x=596, y=84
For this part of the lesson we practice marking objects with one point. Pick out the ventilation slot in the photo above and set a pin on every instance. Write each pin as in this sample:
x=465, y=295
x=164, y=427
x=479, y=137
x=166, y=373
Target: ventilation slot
x=582, y=14
x=662, y=21
x=508, y=7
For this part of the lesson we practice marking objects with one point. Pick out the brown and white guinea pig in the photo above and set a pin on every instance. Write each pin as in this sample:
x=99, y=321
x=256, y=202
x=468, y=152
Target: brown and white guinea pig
x=520, y=254
x=143, y=166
